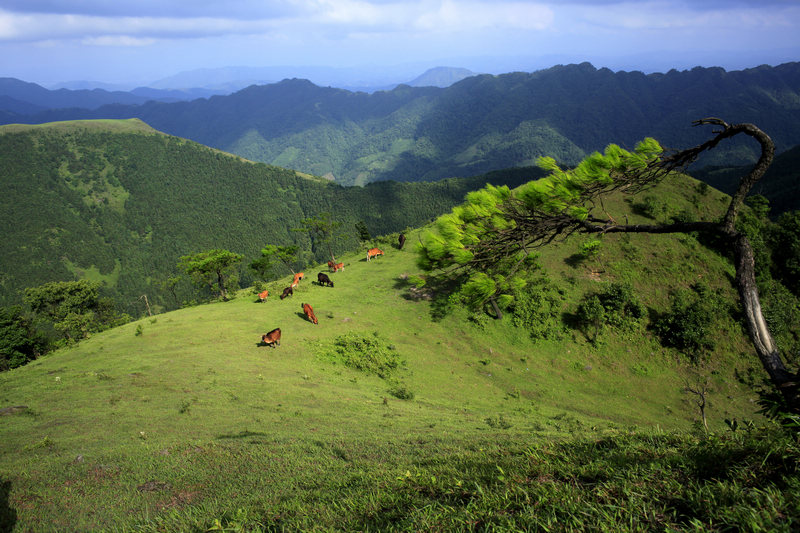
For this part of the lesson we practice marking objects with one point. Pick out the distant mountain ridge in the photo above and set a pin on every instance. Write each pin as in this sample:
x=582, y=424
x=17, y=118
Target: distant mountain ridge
x=476, y=125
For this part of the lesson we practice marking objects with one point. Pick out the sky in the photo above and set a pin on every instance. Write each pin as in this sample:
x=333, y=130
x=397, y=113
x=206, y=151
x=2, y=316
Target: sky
x=138, y=41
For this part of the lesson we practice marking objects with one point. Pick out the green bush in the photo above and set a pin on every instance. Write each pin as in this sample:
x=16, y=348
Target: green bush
x=367, y=353
x=617, y=306
x=688, y=324
x=537, y=308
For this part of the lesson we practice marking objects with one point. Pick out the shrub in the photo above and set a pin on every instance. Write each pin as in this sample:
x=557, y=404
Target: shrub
x=367, y=353
x=688, y=324
x=617, y=307
x=537, y=308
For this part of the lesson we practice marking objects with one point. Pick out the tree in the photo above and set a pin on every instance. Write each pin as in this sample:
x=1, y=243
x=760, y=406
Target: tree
x=272, y=253
x=362, y=231
x=214, y=269
x=75, y=307
x=20, y=342
x=485, y=243
x=322, y=229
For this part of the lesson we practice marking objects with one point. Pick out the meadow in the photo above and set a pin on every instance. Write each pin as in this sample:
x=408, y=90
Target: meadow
x=390, y=415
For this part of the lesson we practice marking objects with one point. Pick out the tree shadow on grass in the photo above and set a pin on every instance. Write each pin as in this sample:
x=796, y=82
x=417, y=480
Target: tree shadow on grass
x=8, y=515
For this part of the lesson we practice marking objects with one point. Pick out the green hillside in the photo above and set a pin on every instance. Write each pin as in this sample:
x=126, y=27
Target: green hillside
x=118, y=202
x=381, y=417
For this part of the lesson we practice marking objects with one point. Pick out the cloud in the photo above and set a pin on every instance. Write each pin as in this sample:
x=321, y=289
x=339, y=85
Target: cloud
x=95, y=20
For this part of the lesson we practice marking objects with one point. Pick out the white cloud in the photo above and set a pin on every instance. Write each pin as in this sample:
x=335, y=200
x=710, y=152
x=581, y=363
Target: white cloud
x=117, y=40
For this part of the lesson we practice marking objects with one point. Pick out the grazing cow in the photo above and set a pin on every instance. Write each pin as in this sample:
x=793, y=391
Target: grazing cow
x=338, y=266
x=297, y=278
x=309, y=311
x=273, y=338
x=401, y=240
x=288, y=291
x=373, y=252
x=332, y=266
x=263, y=295
x=323, y=279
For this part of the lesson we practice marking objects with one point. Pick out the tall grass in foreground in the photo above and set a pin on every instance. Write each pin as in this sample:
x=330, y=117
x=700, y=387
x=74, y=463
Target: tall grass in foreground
x=629, y=482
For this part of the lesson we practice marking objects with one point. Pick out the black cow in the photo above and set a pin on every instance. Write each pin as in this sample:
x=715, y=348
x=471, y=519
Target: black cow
x=401, y=240
x=288, y=291
x=323, y=279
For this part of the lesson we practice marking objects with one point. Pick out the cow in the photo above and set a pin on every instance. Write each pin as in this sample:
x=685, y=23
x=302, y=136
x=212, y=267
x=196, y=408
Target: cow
x=338, y=266
x=297, y=278
x=263, y=295
x=401, y=240
x=373, y=252
x=323, y=279
x=309, y=311
x=273, y=338
x=332, y=266
x=288, y=291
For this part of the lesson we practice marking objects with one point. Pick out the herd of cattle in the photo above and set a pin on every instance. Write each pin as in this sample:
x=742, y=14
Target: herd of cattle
x=273, y=338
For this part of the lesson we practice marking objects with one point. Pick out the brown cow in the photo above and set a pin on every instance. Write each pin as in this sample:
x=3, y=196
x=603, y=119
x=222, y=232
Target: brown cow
x=288, y=291
x=338, y=266
x=273, y=338
x=323, y=279
x=332, y=266
x=373, y=252
x=401, y=240
x=263, y=295
x=297, y=278
x=309, y=311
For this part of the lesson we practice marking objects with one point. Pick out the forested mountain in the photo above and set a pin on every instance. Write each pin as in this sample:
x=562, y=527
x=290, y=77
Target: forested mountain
x=119, y=202
x=780, y=185
x=479, y=124
x=32, y=94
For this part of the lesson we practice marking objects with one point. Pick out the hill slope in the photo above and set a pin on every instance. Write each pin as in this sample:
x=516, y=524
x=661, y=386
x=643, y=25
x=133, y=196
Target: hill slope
x=177, y=421
x=780, y=185
x=118, y=202
x=479, y=124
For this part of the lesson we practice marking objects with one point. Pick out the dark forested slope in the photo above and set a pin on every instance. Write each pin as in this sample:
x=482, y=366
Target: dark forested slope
x=118, y=202
x=480, y=124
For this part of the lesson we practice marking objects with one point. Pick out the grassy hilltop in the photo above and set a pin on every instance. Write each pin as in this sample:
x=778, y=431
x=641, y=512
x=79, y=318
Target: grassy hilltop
x=183, y=422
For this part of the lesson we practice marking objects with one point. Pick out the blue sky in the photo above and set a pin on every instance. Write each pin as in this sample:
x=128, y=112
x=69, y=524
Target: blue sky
x=138, y=41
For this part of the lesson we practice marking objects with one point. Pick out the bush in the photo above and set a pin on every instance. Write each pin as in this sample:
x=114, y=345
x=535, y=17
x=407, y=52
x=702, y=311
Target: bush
x=537, y=308
x=367, y=353
x=688, y=324
x=617, y=307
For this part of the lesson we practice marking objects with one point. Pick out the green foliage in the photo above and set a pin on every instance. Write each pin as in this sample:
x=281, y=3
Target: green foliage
x=616, y=306
x=362, y=231
x=368, y=353
x=20, y=341
x=401, y=392
x=323, y=230
x=538, y=308
x=270, y=255
x=484, y=246
x=689, y=323
x=590, y=248
x=135, y=201
x=214, y=269
x=785, y=241
x=591, y=316
x=74, y=308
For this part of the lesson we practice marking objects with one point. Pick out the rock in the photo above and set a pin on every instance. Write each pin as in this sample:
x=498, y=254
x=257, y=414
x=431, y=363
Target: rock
x=13, y=410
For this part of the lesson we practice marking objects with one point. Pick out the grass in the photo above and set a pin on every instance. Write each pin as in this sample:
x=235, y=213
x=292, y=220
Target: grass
x=183, y=422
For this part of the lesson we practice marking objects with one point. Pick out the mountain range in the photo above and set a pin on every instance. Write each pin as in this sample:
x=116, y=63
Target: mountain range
x=479, y=124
